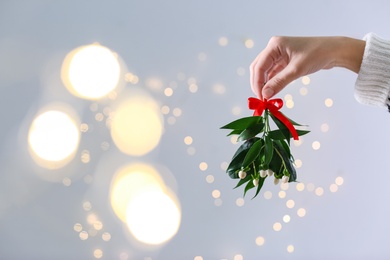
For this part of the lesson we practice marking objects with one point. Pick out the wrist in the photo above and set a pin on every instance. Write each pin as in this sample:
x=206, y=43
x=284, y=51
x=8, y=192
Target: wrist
x=349, y=53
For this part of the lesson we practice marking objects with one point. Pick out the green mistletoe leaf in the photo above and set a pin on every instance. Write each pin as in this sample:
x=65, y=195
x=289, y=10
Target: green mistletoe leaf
x=276, y=135
x=245, y=180
x=268, y=150
x=283, y=129
x=249, y=186
x=253, y=153
x=261, y=182
x=251, y=131
x=235, y=132
x=242, y=123
x=302, y=132
x=287, y=161
x=236, y=163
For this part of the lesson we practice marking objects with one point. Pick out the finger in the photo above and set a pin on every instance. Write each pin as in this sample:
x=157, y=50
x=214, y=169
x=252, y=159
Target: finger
x=275, y=70
x=265, y=62
x=279, y=81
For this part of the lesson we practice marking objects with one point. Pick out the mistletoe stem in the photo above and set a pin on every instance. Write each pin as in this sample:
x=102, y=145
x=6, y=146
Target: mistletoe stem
x=281, y=157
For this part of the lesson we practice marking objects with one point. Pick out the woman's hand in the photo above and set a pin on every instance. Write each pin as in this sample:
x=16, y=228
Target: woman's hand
x=288, y=58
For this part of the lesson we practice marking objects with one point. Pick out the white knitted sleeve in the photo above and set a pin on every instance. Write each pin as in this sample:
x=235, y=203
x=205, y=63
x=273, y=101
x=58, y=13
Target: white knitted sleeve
x=372, y=86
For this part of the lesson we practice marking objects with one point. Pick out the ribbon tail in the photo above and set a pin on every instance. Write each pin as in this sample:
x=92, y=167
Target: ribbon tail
x=287, y=123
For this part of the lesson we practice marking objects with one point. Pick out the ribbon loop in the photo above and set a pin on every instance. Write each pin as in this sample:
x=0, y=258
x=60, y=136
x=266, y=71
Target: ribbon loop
x=273, y=106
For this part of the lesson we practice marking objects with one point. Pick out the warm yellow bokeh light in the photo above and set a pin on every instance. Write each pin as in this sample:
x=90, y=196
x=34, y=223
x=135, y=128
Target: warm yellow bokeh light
x=137, y=125
x=277, y=226
x=53, y=139
x=260, y=240
x=153, y=217
x=91, y=71
x=129, y=182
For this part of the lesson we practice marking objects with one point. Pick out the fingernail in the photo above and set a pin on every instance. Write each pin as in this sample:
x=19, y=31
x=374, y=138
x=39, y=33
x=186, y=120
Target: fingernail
x=268, y=92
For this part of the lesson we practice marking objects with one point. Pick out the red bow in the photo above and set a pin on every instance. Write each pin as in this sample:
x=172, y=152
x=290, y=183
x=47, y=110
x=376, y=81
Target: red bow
x=273, y=106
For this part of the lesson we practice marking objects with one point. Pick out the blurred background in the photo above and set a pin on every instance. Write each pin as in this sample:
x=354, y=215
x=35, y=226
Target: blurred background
x=110, y=139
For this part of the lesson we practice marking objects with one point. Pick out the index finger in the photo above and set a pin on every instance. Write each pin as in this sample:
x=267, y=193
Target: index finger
x=260, y=67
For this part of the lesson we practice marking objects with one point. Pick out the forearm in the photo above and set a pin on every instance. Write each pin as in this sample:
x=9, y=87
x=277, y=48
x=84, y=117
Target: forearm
x=349, y=53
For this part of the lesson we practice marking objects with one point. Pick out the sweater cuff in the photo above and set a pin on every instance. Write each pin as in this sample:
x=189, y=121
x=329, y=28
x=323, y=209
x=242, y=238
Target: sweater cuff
x=372, y=86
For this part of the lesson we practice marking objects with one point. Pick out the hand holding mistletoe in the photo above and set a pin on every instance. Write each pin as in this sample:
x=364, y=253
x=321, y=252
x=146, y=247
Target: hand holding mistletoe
x=269, y=154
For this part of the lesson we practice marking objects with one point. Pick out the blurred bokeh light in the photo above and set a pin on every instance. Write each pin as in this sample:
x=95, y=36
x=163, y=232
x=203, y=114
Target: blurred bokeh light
x=137, y=124
x=91, y=71
x=53, y=139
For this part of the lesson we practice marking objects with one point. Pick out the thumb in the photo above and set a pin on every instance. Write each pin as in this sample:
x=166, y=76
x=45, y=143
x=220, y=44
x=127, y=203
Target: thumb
x=279, y=81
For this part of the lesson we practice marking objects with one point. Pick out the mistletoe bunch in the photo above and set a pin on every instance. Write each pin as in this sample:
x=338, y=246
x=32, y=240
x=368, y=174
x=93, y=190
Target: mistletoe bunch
x=265, y=152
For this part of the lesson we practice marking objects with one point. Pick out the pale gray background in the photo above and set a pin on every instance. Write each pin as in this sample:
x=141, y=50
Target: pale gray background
x=163, y=39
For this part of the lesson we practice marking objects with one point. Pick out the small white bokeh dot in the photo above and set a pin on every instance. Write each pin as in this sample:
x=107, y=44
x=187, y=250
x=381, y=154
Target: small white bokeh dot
x=290, y=248
x=193, y=88
x=324, y=127
x=267, y=195
x=98, y=253
x=260, y=240
x=219, y=89
x=240, y=202
x=305, y=80
x=300, y=187
x=249, y=43
x=328, y=102
x=316, y=145
x=290, y=204
x=210, y=179
x=303, y=91
x=216, y=194
x=301, y=212
x=298, y=163
x=319, y=191
x=277, y=226
x=286, y=218
x=333, y=187
x=203, y=166
x=171, y=120
x=298, y=142
x=339, y=181
x=238, y=257
x=284, y=186
x=223, y=41
x=77, y=227
x=168, y=92
x=177, y=112
x=290, y=103
x=233, y=139
x=188, y=140
x=165, y=110
x=224, y=166
x=288, y=97
x=282, y=194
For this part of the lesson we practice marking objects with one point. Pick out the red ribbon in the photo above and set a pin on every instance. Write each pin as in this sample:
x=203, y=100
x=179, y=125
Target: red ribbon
x=273, y=106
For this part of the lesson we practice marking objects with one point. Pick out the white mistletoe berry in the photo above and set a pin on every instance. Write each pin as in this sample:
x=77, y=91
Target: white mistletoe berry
x=256, y=182
x=276, y=181
x=285, y=179
x=242, y=174
x=263, y=173
x=269, y=172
